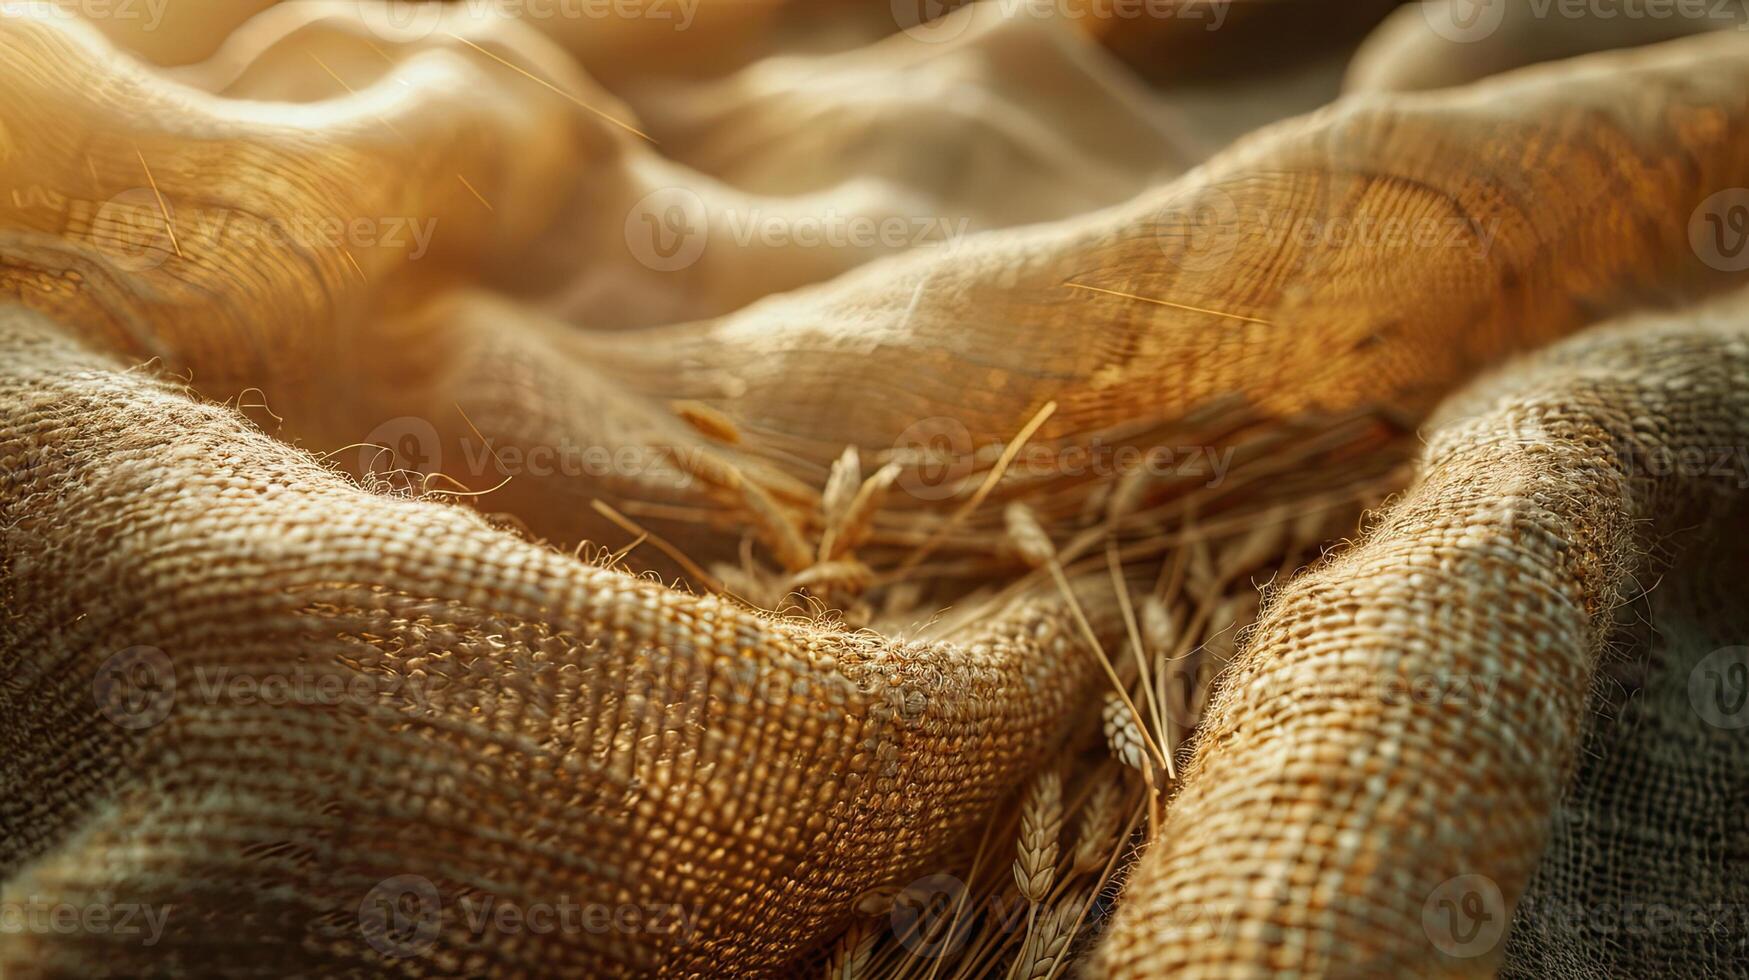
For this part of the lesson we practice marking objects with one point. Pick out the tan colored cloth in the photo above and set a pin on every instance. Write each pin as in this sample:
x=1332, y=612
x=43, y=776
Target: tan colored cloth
x=1403, y=727
x=513, y=724
x=278, y=287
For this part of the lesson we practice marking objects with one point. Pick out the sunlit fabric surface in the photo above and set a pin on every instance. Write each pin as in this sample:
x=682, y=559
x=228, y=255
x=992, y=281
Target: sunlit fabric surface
x=379, y=348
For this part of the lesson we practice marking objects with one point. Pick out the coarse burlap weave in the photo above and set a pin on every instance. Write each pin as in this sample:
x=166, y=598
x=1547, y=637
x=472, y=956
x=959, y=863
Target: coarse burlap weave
x=1425, y=735
x=298, y=652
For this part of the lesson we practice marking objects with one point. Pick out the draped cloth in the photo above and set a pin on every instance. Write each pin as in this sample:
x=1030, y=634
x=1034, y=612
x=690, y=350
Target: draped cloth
x=412, y=418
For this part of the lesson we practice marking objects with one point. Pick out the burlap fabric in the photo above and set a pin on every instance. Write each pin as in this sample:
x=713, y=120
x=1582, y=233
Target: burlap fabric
x=512, y=724
x=1394, y=767
x=1492, y=711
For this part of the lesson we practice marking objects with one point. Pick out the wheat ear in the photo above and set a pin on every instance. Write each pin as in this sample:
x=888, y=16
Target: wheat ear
x=1041, y=822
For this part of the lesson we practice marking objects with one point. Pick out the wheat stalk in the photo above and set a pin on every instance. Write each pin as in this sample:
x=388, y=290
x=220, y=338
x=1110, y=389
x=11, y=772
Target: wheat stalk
x=1159, y=631
x=1126, y=494
x=857, y=521
x=849, y=575
x=775, y=528
x=1122, y=590
x=850, y=957
x=1044, y=950
x=842, y=482
x=1041, y=821
x=1035, y=545
x=1262, y=542
x=679, y=557
x=750, y=587
x=993, y=477
x=1028, y=534
x=1121, y=733
x=1201, y=576
x=1098, y=825
x=707, y=421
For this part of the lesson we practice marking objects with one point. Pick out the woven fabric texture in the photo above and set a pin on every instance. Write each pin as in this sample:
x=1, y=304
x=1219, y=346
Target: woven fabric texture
x=353, y=355
x=1335, y=802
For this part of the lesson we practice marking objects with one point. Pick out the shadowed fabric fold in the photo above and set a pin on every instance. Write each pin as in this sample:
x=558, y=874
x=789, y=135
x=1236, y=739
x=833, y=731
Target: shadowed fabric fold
x=313, y=323
x=1336, y=818
x=513, y=723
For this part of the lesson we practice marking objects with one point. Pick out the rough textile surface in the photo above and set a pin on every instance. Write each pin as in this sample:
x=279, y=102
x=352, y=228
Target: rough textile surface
x=1333, y=807
x=513, y=725
x=319, y=319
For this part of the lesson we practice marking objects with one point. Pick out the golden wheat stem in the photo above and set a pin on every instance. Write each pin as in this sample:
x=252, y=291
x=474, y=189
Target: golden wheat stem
x=851, y=954
x=971, y=879
x=1099, y=820
x=1049, y=945
x=1041, y=823
x=707, y=421
x=1122, y=589
x=630, y=526
x=1025, y=940
x=1104, y=878
x=990, y=480
x=1056, y=570
x=858, y=520
x=842, y=482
